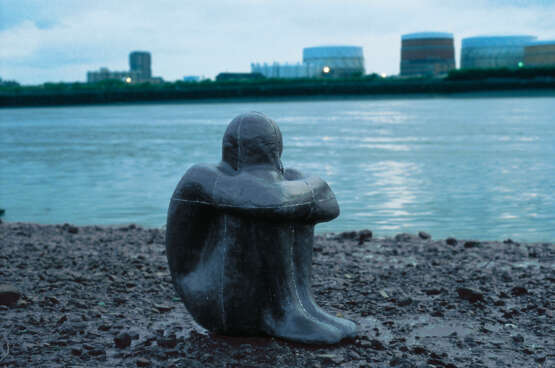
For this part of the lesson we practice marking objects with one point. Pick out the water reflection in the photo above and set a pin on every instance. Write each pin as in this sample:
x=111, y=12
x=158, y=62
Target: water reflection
x=453, y=167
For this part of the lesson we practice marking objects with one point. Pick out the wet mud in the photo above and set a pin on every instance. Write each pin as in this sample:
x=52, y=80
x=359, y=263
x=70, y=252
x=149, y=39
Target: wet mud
x=102, y=296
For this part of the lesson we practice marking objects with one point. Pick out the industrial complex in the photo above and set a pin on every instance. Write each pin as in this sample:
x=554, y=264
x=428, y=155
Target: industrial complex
x=423, y=54
x=139, y=71
x=540, y=54
x=483, y=52
x=318, y=62
x=427, y=54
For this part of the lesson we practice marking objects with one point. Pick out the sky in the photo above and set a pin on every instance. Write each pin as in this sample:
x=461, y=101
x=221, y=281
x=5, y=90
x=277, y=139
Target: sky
x=60, y=40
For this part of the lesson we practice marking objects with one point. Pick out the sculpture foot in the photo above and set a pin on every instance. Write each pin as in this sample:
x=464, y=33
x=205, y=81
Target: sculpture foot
x=347, y=327
x=299, y=327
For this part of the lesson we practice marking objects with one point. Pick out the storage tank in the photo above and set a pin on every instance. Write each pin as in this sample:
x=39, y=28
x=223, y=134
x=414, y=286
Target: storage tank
x=540, y=53
x=427, y=54
x=484, y=52
x=334, y=61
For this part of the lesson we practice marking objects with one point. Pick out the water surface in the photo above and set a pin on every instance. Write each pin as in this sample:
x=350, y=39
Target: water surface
x=463, y=167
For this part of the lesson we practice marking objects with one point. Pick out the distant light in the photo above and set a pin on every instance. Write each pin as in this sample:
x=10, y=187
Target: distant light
x=383, y=75
x=326, y=70
x=128, y=80
x=520, y=64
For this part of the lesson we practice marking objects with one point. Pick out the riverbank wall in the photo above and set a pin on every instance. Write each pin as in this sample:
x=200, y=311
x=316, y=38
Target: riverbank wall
x=268, y=89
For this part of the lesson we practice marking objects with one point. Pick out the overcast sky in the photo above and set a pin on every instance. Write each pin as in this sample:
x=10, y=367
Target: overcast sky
x=59, y=40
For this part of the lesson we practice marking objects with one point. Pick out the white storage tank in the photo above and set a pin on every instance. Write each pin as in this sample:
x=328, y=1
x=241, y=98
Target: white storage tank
x=483, y=52
x=334, y=61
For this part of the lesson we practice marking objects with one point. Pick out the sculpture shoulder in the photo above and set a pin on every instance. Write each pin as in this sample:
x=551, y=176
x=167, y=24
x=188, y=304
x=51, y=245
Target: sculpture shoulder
x=197, y=184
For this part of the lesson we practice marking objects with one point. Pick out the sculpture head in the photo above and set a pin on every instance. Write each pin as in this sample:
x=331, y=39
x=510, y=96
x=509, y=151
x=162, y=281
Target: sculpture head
x=252, y=139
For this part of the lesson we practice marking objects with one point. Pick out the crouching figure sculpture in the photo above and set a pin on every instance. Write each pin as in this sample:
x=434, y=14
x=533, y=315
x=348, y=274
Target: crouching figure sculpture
x=239, y=240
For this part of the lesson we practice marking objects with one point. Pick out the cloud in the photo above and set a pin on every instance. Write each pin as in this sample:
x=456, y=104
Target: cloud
x=66, y=38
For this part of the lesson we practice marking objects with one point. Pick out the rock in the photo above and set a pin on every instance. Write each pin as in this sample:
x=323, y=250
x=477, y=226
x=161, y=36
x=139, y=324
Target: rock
x=451, y=241
x=9, y=295
x=70, y=228
x=471, y=244
x=122, y=340
x=364, y=235
x=168, y=341
x=518, y=291
x=97, y=352
x=519, y=339
x=2, y=211
x=404, y=302
x=470, y=295
x=505, y=276
x=76, y=351
x=143, y=362
x=404, y=237
x=432, y=291
x=376, y=344
x=163, y=308
x=508, y=241
x=424, y=235
x=348, y=235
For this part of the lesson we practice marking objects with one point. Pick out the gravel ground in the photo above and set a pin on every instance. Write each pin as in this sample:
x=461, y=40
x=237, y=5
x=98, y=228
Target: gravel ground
x=102, y=296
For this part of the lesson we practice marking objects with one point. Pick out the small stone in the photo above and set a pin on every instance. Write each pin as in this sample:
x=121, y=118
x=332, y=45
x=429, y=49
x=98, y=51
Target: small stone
x=470, y=295
x=376, y=344
x=163, y=308
x=143, y=362
x=471, y=244
x=9, y=295
x=404, y=237
x=451, y=241
x=348, y=235
x=518, y=291
x=363, y=236
x=122, y=340
x=404, y=302
x=432, y=291
x=518, y=339
x=424, y=235
x=97, y=352
x=168, y=341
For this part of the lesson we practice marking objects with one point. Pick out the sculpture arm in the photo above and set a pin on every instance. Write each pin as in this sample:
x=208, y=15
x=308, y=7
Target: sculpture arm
x=307, y=200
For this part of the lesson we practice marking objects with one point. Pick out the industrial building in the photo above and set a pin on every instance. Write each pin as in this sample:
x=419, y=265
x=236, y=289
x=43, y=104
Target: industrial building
x=139, y=71
x=318, y=62
x=105, y=74
x=139, y=65
x=540, y=53
x=335, y=61
x=277, y=70
x=483, y=52
x=427, y=54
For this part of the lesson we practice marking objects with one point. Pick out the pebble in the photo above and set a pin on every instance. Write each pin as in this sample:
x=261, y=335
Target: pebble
x=122, y=340
x=168, y=341
x=364, y=235
x=424, y=235
x=143, y=362
x=518, y=291
x=470, y=295
x=9, y=295
x=451, y=241
x=471, y=244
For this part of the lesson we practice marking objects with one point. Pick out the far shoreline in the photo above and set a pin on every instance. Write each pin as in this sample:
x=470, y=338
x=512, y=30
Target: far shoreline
x=268, y=92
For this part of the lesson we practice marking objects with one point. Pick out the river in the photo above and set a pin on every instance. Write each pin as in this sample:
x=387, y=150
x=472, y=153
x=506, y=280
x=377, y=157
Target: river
x=481, y=168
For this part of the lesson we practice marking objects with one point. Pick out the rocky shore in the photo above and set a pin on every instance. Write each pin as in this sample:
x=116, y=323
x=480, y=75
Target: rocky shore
x=102, y=297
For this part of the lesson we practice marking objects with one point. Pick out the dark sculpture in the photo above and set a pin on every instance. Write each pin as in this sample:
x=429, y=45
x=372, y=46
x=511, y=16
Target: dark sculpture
x=239, y=240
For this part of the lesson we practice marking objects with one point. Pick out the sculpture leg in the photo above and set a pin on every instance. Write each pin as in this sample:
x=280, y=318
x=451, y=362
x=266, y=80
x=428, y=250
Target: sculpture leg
x=285, y=315
x=302, y=256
